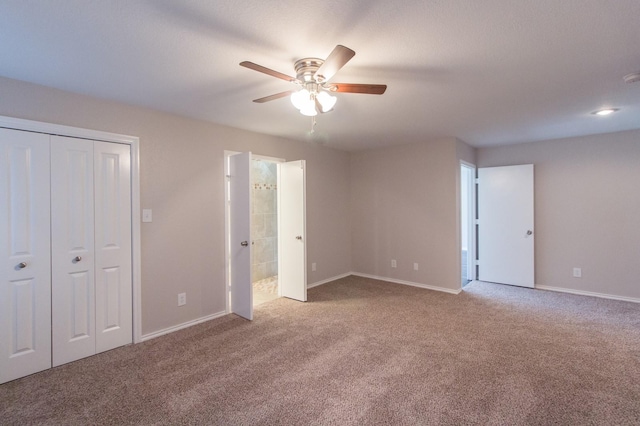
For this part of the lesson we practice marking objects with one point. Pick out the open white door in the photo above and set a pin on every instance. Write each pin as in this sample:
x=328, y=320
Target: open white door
x=505, y=227
x=292, y=252
x=240, y=234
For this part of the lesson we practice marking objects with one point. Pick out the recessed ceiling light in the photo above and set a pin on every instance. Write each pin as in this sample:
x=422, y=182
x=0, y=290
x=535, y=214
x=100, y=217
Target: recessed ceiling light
x=605, y=111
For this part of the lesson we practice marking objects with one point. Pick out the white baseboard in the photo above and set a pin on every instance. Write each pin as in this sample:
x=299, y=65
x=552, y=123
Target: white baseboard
x=588, y=293
x=412, y=284
x=328, y=280
x=181, y=326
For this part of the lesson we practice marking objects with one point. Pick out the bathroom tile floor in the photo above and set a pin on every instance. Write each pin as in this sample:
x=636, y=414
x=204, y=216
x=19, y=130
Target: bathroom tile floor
x=265, y=290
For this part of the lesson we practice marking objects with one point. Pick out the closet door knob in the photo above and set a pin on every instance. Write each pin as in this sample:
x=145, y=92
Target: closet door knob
x=244, y=243
x=22, y=265
x=299, y=237
x=77, y=258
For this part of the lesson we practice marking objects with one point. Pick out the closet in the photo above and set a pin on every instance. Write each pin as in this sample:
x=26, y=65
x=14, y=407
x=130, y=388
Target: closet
x=66, y=252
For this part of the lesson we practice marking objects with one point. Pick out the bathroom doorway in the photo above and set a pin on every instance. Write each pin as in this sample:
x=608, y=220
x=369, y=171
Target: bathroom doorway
x=264, y=230
x=280, y=267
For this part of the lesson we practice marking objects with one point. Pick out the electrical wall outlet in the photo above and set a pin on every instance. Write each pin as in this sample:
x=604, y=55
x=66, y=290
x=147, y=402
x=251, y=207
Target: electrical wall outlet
x=394, y=264
x=577, y=272
x=415, y=266
x=182, y=299
x=313, y=267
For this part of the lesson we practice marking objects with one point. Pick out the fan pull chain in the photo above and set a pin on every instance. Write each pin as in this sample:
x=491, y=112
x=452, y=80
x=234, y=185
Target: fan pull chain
x=313, y=125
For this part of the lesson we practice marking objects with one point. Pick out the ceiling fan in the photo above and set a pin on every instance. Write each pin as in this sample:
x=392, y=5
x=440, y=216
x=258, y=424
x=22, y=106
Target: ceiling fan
x=312, y=76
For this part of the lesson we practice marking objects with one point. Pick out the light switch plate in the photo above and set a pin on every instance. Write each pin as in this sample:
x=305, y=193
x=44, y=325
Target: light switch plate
x=147, y=215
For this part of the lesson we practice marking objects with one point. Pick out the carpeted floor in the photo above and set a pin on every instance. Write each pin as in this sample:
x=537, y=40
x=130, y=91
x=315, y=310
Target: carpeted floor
x=363, y=352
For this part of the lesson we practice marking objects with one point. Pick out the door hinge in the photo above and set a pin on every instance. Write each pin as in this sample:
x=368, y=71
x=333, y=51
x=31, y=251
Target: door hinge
x=477, y=181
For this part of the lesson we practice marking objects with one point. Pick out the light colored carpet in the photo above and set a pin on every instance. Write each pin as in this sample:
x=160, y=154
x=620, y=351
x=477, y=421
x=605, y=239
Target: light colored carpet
x=363, y=352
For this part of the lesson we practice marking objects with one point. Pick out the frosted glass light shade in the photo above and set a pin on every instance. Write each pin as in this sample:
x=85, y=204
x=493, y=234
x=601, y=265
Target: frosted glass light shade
x=300, y=98
x=309, y=109
x=326, y=101
x=311, y=103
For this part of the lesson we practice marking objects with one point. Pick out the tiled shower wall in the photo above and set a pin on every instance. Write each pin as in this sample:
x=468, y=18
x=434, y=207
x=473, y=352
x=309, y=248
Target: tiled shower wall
x=264, y=232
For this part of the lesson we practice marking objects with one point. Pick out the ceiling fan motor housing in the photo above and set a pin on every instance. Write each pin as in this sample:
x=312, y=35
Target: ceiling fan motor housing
x=306, y=69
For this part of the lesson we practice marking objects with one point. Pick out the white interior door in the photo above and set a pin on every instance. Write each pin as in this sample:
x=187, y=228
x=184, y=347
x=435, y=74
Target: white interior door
x=72, y=250
x=292, y=253
x=114, y=308
x=240, y=250
x=25, y=269
x=505, y=228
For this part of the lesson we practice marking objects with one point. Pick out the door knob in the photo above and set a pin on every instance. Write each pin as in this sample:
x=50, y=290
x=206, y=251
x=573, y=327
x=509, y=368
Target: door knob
x=529, y=232
x=244, y=243
x=22, y=265
x=299, y=237
x=77, y=258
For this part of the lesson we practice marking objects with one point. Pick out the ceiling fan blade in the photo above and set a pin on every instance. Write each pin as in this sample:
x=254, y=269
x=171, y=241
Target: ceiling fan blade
x=336, y=60
x=371, y=89
x=273, y=97
x=267, y=71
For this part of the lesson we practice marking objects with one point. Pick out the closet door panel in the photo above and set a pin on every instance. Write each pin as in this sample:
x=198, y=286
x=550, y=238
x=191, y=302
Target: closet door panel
x=25, y=267
x=113, y=245
x=72, y=244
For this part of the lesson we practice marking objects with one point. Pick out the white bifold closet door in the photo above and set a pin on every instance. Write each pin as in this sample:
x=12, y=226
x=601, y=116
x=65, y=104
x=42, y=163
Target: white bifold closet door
x=114, y=297
x=91, y=247
x=25, y=269
x=72, y=250
x=65, y=277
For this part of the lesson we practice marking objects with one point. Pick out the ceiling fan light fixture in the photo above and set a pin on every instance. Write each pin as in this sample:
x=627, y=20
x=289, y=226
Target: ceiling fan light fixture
x=309, y=109
x=326, y=101
x=313, y=95
x=300, y=98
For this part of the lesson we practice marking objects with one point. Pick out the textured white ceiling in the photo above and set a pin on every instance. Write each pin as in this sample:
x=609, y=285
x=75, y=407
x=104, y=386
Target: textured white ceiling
x=488, y=72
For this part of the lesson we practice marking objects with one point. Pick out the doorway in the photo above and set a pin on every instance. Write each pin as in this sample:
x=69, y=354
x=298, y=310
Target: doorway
x=264, y=230
x=274, y=249
x=467, y=222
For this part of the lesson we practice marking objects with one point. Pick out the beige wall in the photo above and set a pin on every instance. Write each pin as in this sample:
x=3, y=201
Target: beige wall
x=587, y=206
x=182, y=181
x=403, y=207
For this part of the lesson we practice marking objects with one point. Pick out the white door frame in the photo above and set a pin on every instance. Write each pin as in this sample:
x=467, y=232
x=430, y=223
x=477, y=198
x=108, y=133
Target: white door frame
x=227, y=222
x=134, y=142
x=471, y=220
